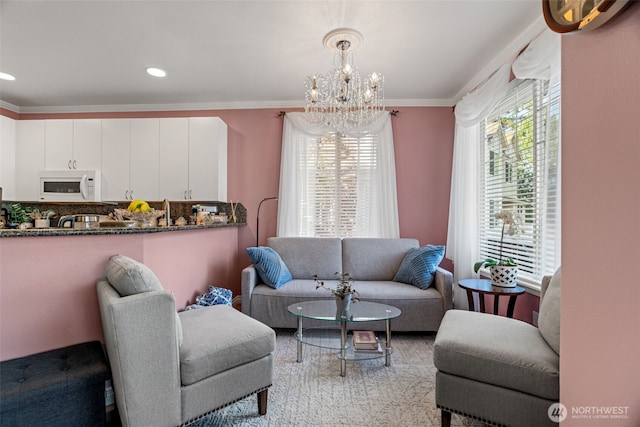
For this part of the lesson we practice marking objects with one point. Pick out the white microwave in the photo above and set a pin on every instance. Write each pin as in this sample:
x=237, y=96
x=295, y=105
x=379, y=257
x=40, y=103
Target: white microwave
x=69, y=185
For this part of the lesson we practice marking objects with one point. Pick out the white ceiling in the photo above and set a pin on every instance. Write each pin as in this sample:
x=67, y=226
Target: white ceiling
x=91, y=55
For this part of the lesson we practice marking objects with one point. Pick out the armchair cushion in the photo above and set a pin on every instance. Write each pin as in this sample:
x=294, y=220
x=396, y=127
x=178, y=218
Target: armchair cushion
x=209, y=348
x=497, y=350
x=549, y=317
x=130, y=277
x=419, y=266
x=272, y=270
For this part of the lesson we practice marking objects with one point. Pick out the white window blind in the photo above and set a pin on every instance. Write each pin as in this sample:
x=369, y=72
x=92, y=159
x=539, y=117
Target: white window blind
x=341, y=171
x=520, y=171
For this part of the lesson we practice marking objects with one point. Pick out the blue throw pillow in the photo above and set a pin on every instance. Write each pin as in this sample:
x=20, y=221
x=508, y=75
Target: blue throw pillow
x=269, y=265
x=419, y=266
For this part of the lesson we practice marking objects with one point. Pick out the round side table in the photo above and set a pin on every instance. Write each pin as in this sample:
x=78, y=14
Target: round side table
x=484, y=287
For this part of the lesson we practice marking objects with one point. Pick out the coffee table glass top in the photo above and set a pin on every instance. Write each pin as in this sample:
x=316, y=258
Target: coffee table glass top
x=361, y=311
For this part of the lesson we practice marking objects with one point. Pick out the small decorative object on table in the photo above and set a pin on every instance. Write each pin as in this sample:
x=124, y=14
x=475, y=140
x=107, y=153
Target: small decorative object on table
x=344, y=293
x=504, y=272
x=140, y=211
x=366, y=341
x=42, y=218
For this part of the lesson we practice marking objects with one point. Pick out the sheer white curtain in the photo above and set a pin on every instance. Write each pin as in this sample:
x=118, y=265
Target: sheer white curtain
x=462, y=236
x=297, y=139
x=541, y=59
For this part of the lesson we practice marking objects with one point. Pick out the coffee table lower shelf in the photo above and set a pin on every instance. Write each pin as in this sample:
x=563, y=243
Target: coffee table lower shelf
x=330, y=339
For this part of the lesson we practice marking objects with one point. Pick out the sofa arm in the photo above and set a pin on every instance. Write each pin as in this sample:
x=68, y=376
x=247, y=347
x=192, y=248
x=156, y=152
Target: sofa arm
x=444, y=284
x=250, y=279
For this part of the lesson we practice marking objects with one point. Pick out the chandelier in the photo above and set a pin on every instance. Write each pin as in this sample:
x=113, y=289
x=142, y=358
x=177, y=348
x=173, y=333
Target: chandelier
x=341, y=99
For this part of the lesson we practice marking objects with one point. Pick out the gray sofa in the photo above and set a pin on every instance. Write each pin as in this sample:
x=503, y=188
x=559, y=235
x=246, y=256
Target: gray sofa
x=372, y=263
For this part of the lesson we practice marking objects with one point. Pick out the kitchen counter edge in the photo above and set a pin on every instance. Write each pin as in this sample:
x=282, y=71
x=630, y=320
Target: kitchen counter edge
x=12, y=232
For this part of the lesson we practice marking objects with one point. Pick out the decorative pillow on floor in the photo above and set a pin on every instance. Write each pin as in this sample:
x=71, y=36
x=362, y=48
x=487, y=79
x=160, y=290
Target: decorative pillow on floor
x=419, y=266
x=269, y=265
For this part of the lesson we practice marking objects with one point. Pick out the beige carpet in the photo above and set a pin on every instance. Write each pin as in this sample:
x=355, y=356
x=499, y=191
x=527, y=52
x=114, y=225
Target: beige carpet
x=313, y=393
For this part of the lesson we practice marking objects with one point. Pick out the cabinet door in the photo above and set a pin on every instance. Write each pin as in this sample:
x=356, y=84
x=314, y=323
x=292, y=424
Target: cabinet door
x=144, y=161
x=29, y=158
x=87, y=142
x=58, y=147
x=115, y=159
x=208, y=159
x=174, y=159
x=8, y=158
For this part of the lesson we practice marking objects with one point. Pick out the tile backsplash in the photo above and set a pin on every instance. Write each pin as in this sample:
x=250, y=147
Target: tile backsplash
x=177, y=209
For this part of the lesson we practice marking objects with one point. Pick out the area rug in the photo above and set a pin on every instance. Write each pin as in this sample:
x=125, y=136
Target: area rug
x=312, y=393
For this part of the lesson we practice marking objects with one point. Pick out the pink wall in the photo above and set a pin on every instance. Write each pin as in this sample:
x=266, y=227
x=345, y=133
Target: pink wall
x=47, y=293
x=600, y=338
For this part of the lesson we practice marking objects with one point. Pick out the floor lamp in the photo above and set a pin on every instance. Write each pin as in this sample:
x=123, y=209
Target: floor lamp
x=258, y=218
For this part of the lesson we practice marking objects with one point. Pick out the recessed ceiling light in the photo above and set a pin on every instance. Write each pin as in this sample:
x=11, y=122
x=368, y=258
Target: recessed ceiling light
x=5, y=76
x=156, y=72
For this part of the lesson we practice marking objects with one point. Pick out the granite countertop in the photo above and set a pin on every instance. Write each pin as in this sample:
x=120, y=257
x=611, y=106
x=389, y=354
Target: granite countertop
x=13, y=232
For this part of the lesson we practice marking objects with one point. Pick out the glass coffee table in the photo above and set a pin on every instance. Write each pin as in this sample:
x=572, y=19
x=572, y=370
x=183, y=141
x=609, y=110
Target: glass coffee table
x=326, y=311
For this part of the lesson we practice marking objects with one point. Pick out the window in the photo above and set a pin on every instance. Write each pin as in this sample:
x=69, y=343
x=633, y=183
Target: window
x=338, y=194
x=336, y=185
x=520, y=172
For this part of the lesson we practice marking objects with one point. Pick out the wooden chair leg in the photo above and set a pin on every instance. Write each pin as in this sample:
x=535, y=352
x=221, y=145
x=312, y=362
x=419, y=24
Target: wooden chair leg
x=445, y=418
x=262, y=402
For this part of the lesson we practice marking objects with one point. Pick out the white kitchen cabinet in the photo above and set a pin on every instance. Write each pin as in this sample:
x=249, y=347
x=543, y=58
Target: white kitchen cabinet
x=8, y=158
x=193, y=158
x=30, y=136
x=207, y=159
x=130, y=153
x=174, y=158
x=73, y=144
x=144, y=164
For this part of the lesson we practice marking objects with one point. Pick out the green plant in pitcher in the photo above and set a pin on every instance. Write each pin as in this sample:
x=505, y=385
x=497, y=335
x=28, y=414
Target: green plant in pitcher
x=20, y=214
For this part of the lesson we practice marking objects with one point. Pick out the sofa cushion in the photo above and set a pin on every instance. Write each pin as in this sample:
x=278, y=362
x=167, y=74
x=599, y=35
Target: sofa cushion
x=272, y=270
x=419, y=266
x=209, y=349
x=130, y=277
x=307, y=256
x=549, y=316
x=374, y=258
x=497, y=350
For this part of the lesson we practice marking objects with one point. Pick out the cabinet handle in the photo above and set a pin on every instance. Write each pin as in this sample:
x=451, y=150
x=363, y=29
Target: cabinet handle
x=185, y=194
x=74, y=164
x=131, y=195
x=190, y=197
x=69, y=164
x=126, y=194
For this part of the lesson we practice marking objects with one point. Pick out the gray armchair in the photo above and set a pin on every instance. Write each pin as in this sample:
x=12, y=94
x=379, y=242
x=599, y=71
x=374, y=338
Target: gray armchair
x=499, y=370
x=170, y=368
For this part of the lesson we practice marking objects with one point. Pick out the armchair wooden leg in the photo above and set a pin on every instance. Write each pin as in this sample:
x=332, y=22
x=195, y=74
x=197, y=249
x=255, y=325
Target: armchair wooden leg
x=262, y=402
x=445, y=418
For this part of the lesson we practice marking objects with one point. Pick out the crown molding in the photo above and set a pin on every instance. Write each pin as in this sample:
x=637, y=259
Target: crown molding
x=127, y=108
